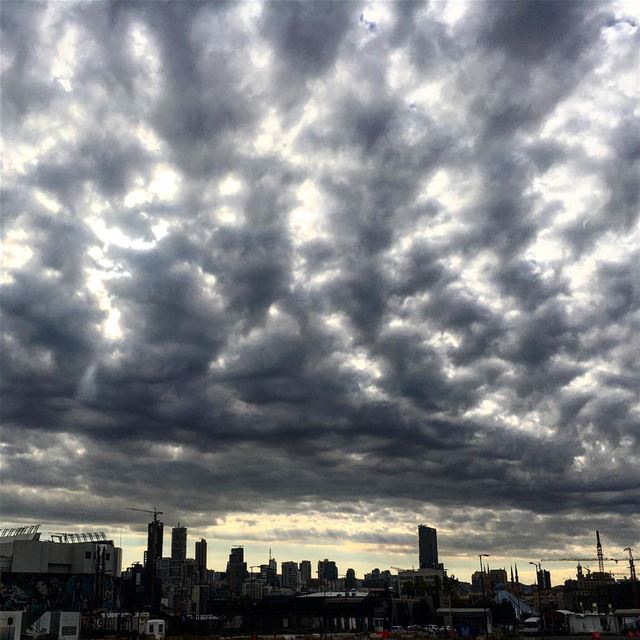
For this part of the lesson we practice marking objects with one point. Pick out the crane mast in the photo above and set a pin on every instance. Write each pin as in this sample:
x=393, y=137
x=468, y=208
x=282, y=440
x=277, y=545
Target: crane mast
x=599, y=553
x=632, y=576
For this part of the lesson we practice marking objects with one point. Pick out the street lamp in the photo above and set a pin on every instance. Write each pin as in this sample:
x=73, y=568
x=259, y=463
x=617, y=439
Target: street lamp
x=538, y=566
x=484, y=598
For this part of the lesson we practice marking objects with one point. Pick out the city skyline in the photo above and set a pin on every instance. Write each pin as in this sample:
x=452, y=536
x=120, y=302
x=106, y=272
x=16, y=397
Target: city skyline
x=88, y=567
x=134, y=551
x=304, y=275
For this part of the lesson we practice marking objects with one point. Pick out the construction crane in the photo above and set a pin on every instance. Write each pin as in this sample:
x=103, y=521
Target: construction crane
x=401, y=569
x=632, y=566
x=155, y=512
x=632, y=576
x=581, y=559
x=599, y=553
x=600, y=559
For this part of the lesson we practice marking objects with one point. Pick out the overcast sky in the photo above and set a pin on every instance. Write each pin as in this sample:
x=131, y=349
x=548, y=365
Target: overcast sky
x=303, y=275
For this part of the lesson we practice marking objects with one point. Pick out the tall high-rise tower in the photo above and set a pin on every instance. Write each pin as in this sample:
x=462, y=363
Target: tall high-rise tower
x=151, y=557
x=201, y=559
x=427, y=547
x=350, y=581
x=305, y=572
x=236, y=570
x=290, y=575
x=154, y=542
x=327, y=570
x=179, y=543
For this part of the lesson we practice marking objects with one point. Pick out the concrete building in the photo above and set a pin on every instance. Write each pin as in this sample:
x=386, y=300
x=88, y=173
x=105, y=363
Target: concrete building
x=236, y=570
x=305, y=573
x=155, y=537
x=71, y=571
x=350, y=581
x=497, y=577
x=429, y=580
x=200, y=596
x=252, y=589
x=176, y=574
x=268, y=575
x=377, y=579
x=179, y=543
x=177, y=579
x=201, y=560
x=327, y=570
x=30, y=554
x=427, y=547
x=290, y=576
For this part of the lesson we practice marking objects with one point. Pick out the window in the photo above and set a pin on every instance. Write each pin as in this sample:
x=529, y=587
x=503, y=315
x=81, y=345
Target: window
x=160, y=629
x=107, y=556
x=87, y=555
x=151, y=628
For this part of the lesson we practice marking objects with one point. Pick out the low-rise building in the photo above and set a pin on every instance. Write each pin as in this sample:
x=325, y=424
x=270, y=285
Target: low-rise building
x=70, y=571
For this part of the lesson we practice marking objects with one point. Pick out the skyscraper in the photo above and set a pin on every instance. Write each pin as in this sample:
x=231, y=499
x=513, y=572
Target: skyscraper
x=179, y=543
x=151, y=557
x=350, y=581
x=236, y=570
x=290, y=575
x=154, y=542
x=427, y=547
x=201, y=559
x=327, y=570
x=305, y=572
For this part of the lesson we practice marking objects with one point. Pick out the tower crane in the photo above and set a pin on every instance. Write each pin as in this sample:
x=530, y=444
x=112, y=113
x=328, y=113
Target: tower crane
x=581, y=559
x=632, y=566
x=632, y=576
x=155, y=512
x=599, y=553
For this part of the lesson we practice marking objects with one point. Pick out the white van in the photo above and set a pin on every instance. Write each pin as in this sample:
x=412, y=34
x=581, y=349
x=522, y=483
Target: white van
x=156, y=628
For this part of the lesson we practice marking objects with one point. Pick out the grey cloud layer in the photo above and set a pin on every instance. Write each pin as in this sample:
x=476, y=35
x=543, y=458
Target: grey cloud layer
x=399, y=345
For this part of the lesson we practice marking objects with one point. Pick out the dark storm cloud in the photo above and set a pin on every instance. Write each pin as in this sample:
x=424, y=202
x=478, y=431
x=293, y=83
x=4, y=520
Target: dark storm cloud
x=232, y=266
x=305, y=38
x=106, y=163
x=24, y=90
x=532, y=42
